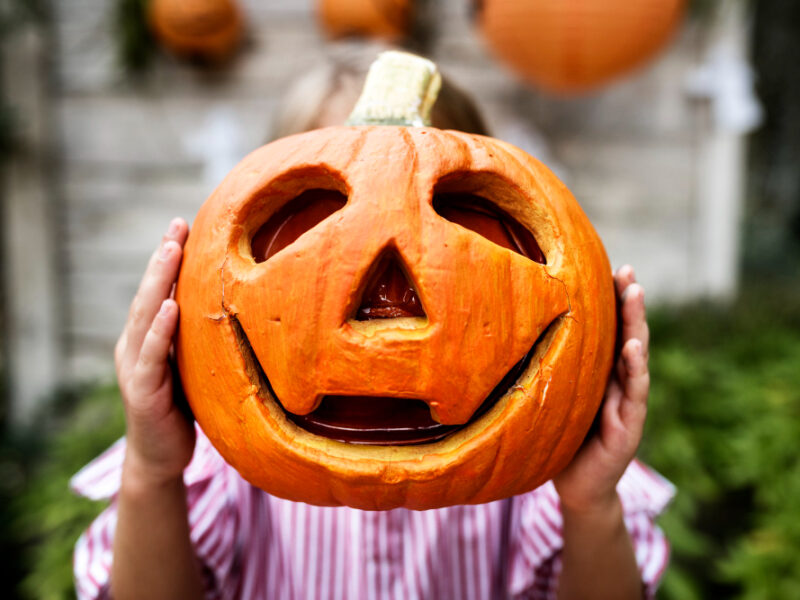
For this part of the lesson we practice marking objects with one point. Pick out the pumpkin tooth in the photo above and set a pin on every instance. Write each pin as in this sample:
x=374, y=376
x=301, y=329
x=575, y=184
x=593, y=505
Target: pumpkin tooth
x=434, y=408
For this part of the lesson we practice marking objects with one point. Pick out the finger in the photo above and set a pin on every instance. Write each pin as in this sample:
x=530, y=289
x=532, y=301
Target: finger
x=634, y=318
x=611, y=404
x=156, y=285
x=613, y=389
x=623, y=277
x=119, y=351
x=151, y=367
x=178, y=231
x=635, y=383
x=178, y=393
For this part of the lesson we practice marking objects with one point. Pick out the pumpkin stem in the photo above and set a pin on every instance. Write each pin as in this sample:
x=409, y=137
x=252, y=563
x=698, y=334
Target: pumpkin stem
x=400, y=89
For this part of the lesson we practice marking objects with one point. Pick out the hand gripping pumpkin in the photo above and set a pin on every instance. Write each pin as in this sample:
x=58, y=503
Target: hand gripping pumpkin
x=204, y=29
x=385, y=316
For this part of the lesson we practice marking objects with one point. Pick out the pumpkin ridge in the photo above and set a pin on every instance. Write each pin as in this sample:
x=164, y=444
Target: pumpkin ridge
x=463, y=148
x=355, y=153
x=412, y=147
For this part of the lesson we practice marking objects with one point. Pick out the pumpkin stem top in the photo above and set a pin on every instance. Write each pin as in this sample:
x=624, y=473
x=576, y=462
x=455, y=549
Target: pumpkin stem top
x=400, y=89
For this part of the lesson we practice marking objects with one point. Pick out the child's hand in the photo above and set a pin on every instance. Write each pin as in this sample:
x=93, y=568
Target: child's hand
x=160, y=439
x=589, y=482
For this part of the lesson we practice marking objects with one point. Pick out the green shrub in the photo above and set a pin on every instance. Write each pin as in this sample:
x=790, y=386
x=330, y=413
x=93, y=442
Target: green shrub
x=48, y=518
x=724, y=426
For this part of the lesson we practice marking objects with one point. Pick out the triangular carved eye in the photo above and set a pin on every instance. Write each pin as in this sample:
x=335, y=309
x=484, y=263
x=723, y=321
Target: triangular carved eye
x=484, y=218
x=293, y=219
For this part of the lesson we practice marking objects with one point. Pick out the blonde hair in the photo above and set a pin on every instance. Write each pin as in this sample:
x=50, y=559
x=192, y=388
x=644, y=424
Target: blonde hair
x=326, y=94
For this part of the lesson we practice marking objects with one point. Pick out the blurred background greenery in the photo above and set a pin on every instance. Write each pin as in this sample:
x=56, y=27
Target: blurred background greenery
x=724, y=421
x=723, y=425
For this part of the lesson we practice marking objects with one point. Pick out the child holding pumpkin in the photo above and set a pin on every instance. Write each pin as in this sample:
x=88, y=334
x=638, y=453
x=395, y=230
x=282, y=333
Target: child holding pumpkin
x=183, y=523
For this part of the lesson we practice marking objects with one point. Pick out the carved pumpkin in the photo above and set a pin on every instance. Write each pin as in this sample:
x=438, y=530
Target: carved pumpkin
x=580, y=44
x=204, y=29
x=384, y=316
x=389, y=19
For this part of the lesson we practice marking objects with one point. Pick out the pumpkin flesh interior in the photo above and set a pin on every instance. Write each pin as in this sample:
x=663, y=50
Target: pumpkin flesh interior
x=292, y=220
x=389, y=293
x=481, y=216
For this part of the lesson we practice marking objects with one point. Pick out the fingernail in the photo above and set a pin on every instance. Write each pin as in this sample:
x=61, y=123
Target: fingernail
x=174, y=225
x=165, y=308
x=166, y=249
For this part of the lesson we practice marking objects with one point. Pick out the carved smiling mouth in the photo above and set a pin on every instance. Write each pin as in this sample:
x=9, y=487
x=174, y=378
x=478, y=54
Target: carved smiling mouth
x=382, y=421
x=394, y=421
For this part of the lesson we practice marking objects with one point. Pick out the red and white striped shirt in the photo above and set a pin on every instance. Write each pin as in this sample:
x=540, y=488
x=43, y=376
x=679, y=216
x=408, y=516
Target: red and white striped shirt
x=255, y=546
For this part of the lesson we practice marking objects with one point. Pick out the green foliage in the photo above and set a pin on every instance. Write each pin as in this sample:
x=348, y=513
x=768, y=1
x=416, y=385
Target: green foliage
x=46, y=519
x=135, y=46
x=724, y=425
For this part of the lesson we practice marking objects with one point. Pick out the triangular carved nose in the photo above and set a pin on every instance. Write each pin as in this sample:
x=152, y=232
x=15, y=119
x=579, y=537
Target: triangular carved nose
x=389, y=294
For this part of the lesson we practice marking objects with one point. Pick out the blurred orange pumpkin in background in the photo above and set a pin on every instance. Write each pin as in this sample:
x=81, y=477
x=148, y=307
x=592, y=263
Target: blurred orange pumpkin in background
x=208, y=30
x=388, y=19
x=576, y=45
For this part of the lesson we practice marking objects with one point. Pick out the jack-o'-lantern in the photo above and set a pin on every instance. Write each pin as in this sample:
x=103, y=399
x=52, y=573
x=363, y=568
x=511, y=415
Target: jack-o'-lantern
x=387, y=315
x=580, y=44
x=207, y=30
x=388, y=19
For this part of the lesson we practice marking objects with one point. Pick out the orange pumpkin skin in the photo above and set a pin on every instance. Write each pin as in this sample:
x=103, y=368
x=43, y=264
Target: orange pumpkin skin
x=389, y=19
x=574, y=46
x=486, y=308
x=205, y=29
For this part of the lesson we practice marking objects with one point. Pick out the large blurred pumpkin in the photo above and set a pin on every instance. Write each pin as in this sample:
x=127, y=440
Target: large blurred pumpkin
x=384, y=316
x=203, y=29
x=387, y=19
x=576, y=45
